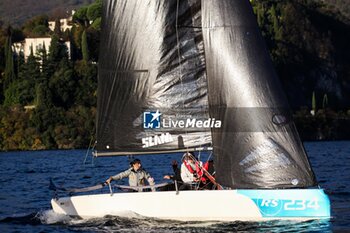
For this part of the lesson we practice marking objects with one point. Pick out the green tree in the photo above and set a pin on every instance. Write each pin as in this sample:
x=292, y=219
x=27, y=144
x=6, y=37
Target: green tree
x=57, y=29
x=57, y=52
x=43, y=98
x=74, y=51
x=84, y=47
x=94, y=10
x=93, y=38
x=276, y=28
x=37, y=26
x=44, y=119
x=325, y=101
x=87, y=84
x=94, y=14
x=260, y=15
x=19, y=62
x=14, y=129
x=62, y=85
x=314, y=103
x=40, y=30
x=2, y=48
x=44, y=63
x=29, y=76
x=12, y=92
x=9, y=62
x=2, y=60
x=81, y=17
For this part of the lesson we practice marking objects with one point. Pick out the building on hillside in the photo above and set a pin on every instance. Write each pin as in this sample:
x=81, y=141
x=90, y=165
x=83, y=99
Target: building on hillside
x=66, y=23
x=36, y=44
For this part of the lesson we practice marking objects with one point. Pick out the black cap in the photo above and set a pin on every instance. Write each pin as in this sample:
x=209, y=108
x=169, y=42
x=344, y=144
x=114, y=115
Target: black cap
x=135, y=161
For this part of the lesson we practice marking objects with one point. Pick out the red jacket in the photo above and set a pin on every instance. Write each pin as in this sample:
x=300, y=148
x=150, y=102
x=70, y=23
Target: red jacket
x=198, y=169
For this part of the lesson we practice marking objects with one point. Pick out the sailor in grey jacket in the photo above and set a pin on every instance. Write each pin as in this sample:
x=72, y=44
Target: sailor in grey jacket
x=137, y=175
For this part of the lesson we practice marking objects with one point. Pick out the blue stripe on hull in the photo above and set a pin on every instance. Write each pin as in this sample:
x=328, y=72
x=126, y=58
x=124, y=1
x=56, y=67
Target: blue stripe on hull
x=304, y=203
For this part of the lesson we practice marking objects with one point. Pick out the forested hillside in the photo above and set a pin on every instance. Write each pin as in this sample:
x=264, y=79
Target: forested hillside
x=338, y=7
x=16, y=12
x=309, y=45
x=49, y=101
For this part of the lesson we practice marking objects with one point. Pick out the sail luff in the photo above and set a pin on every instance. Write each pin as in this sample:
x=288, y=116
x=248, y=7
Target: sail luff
x=258, y=145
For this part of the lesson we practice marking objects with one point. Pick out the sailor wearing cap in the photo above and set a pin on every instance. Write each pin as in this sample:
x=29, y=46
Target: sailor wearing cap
x=137, y=175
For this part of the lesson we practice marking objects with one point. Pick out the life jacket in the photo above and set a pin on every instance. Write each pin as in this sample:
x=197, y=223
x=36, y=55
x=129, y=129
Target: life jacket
x=199, y=170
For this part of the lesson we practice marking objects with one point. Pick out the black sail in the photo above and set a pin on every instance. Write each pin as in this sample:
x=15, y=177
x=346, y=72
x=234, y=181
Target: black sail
x=197, y=59
x=151, y=58
x=258, y=145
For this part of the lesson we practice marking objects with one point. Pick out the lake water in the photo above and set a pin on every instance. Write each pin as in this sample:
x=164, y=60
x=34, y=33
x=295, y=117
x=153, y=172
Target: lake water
x=25, y=196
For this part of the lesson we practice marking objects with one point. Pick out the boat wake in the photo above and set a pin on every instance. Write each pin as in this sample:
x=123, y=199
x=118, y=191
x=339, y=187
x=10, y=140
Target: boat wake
x=30, y=219
x=50, y=217
x=132, y=222
x=39, y=218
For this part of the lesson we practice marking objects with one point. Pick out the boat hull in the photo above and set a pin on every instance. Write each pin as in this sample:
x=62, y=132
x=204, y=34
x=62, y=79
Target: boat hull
x=221, y=205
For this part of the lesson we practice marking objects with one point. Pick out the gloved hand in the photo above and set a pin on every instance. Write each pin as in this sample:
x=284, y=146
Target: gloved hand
x=151, y=182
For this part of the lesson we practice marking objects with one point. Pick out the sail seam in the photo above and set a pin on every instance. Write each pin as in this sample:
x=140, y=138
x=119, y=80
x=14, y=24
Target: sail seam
x=178, y=51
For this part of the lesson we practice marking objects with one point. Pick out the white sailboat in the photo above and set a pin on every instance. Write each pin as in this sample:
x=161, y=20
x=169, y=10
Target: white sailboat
x=177, y=76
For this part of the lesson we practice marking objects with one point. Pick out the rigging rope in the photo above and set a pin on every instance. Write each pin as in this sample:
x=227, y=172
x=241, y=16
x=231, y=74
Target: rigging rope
x=89, y=150
x=53, y=187
x=102, y=185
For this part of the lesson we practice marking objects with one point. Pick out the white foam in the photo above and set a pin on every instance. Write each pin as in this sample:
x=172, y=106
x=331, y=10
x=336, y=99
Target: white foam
x=127, y=214
x=50, y=217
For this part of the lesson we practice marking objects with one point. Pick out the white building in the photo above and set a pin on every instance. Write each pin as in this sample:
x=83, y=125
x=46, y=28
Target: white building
x=37, y=44
x=65, y=23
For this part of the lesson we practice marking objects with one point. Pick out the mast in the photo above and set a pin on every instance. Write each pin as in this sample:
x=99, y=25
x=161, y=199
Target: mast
x=258, y=145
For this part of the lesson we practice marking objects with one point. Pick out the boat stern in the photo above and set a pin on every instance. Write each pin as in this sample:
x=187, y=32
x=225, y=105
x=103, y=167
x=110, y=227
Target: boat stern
x=63, y=206
x=291, y=203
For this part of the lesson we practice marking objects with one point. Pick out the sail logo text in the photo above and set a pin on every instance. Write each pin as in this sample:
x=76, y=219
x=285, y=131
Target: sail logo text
x=275, y=207
x=191, y=123
x=153, y=120
x=157, y=140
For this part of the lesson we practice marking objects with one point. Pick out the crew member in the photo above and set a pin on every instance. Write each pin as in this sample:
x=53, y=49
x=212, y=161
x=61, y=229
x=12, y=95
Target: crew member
x=137, y=175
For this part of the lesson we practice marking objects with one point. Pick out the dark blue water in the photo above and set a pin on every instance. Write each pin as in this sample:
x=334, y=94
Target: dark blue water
x=25, y=196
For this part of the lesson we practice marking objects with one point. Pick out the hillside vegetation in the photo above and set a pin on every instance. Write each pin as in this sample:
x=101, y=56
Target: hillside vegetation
x=338, y=7
x=308, y=42
x=49, y=100
x=16, y=12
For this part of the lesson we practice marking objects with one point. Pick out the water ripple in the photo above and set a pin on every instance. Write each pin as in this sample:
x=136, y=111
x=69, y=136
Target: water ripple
x=25, y=197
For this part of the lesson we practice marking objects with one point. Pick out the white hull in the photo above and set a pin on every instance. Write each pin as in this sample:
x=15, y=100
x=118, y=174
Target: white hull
x=222, y=205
